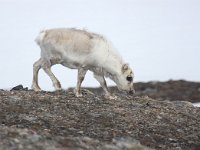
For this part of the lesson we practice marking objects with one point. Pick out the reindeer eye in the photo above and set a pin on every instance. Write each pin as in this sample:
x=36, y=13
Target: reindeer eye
x=130, y=79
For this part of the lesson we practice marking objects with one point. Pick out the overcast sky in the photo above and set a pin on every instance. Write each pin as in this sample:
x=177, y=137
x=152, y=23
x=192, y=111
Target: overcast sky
x=160, y=39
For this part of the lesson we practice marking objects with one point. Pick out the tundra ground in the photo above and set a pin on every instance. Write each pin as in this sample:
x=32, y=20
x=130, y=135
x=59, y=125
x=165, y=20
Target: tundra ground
x=59, y=120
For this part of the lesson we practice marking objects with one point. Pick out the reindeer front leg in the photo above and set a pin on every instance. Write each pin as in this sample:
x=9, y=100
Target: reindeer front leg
x=80, y=78
x=103, y=84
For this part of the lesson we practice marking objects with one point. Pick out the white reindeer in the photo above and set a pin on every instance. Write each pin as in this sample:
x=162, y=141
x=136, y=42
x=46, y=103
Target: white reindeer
x=82, y=50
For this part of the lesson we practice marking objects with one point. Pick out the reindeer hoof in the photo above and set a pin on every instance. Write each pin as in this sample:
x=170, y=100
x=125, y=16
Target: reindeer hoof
x=58, y=89
x=111, y=97
x=36, y=88
x=78, y=94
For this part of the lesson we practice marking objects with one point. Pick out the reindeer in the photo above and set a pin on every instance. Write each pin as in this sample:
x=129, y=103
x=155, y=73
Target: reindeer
x=82, y=50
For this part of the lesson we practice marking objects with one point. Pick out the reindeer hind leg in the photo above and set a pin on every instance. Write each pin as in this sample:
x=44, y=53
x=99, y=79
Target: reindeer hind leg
x=36, y=67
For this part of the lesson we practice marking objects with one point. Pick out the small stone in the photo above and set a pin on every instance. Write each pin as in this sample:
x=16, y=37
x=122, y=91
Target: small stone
x=16, y=140
x=172, y=140
x=35, y=138
x=159, y=117
x=18, y=87
x=80, y=132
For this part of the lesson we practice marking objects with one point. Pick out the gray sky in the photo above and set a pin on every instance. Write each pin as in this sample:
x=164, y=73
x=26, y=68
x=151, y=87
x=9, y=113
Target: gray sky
x=160, y=39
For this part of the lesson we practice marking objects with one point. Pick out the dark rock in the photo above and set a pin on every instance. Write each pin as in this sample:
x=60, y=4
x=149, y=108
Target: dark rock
x=19, y=87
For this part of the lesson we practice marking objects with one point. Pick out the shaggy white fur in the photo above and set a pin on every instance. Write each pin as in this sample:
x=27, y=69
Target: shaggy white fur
x=82, y=50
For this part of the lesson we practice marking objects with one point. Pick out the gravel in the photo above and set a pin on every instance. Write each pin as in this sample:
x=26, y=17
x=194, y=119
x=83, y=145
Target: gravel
x=59, y=120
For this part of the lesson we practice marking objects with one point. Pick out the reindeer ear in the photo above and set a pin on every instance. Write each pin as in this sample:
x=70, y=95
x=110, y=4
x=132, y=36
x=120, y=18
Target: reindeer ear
x=125, y=67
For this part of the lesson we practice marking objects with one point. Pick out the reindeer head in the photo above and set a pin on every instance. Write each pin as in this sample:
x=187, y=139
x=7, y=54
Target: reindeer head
x=124, y=80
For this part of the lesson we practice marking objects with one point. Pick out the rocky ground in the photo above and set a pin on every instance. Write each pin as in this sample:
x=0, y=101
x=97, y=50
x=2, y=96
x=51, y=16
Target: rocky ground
x=170, y=90
x=60, y=121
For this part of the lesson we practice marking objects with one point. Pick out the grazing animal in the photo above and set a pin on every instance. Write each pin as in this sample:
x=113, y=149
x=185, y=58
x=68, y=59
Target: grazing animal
x=82, y=50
